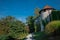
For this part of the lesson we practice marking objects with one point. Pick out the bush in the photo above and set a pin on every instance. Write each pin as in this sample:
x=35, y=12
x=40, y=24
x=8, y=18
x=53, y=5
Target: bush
x=3, y=37
x=52, y=27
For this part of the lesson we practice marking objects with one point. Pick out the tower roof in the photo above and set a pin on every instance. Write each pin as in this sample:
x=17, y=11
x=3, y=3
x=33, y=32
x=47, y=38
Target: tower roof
x=46, y=7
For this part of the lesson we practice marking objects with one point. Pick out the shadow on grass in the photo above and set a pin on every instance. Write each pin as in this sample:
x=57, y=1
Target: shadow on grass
x=40, y=36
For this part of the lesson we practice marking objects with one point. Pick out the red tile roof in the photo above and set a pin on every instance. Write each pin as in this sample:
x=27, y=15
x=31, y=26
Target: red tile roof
x=47, y=7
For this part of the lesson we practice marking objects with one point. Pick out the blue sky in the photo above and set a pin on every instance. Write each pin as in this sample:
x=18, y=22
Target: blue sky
x=24, y=8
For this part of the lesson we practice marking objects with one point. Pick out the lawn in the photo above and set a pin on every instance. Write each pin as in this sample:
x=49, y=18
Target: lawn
x=40, y=36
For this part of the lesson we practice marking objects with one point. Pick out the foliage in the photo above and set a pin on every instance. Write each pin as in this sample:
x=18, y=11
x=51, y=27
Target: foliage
x=36, y=11
x=52, y=26
x=3, y=37
x=30, y=22
x=40, y=36
x=27, y=28
x=12, y=27
x=55, y=15
x=37, y=26
x=37, y=20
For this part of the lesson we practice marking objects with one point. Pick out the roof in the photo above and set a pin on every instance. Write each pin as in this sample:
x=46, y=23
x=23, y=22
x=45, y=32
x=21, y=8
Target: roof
x=46, y=7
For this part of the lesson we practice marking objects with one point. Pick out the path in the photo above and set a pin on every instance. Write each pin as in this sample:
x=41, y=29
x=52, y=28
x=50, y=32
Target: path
x=29, y=37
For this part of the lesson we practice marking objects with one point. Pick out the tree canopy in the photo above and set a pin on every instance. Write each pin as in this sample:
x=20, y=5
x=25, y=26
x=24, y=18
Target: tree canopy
x=12, y=27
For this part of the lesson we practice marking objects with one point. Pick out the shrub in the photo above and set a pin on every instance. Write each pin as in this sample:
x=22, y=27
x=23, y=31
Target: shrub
x=3, y=37
x=52, y=26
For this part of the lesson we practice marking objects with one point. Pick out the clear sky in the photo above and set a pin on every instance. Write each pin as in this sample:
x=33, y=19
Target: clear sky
x=24, y=8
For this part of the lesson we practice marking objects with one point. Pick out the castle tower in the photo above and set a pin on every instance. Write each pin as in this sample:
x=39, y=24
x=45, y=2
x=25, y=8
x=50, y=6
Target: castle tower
x=44, y=13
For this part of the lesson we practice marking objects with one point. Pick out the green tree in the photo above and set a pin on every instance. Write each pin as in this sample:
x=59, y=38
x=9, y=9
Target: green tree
x=12, y=27
x=5, y=23
x=37, y=17
x=30, y=22
x=36, y=11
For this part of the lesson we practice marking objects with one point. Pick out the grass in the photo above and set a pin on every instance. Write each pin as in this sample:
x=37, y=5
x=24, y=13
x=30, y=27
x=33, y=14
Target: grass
x=40, y=36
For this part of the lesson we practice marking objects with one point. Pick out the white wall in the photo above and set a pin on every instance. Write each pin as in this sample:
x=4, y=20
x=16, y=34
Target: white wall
x=45, y=14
